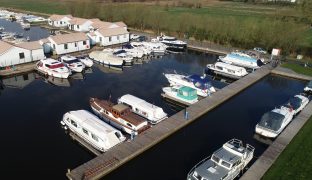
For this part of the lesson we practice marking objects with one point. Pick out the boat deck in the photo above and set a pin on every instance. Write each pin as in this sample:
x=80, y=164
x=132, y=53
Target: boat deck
x=126, y=151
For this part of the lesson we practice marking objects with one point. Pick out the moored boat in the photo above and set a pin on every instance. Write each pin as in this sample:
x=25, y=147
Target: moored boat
x=308, y=87
x=201, y=84
x=91, y=129
x=242, y=60
x=153, y=113
x=86, y=61
x=225, y=164
x=183, y=94
x=120, y=116
x=107, y=59
x=53, y=68
x=273, y=123
x=172, y=43
x=226, y=70
x=72, y=63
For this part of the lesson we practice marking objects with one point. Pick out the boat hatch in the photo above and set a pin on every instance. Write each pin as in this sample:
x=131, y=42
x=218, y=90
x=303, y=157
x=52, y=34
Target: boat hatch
x=212, y=170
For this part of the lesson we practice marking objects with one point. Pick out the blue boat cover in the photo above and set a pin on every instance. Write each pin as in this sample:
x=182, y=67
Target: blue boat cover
x=202, y=83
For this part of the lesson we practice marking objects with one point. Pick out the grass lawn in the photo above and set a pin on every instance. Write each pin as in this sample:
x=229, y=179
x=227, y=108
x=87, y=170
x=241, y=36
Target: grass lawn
x=295, y=162
x=298, y=69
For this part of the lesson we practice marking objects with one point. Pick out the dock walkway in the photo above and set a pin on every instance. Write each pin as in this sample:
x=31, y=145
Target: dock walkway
x=265, y=161
x=122, y=153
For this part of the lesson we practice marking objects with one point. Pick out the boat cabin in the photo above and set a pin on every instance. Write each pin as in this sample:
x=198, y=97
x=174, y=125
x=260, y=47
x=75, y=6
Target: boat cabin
x=187, y=93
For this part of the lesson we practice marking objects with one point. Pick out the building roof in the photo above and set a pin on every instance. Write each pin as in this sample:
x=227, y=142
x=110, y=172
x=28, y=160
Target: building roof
x=57, y=17
x=101, y=24
x=30, y=45
x=78, y=21
x=4, y=46
x=120, y=24
x=112, y=31
x=67, y=38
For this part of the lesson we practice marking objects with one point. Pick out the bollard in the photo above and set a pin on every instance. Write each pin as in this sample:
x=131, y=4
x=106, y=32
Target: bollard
x=132, y=135
x=185, y=114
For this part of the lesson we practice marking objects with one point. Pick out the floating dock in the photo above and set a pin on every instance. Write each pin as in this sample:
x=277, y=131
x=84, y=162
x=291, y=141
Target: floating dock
x=124, y=152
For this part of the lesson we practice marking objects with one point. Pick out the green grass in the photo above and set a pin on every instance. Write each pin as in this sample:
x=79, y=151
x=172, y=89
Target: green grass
x=298, y=69
x=295, y=162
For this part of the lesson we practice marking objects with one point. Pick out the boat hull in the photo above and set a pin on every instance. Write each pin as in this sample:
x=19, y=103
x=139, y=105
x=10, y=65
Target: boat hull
x=215, y=72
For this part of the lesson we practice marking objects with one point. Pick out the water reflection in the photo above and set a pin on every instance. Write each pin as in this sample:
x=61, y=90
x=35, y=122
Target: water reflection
x=19, y=81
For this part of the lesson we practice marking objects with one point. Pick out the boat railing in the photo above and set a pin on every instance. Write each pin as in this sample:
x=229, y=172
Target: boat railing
x=198, y=164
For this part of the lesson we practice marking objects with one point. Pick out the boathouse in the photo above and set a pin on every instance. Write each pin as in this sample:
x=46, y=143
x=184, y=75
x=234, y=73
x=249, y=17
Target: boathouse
x=110, y=36
x=20, y=53
x=67, y=43
x=81, y=24
x=59, y=20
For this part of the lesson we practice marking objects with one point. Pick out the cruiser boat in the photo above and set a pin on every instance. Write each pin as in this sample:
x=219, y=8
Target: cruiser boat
x=272, y=123
x=86, y=61
x=140, y=46
x=201, y=84
x=91, y=129
x=72, y=63
x=153, y=113
x=225, y=164
x=134, y=52
x=156, y=47
x=308, y=88
x=297, y=103
x=119, y=116
x=226, y=70
x=242, y=60
x=25, y=25
x=127, y=58
x=106, y=58
x=182, y=93
x=53, y=68
x=172, y=43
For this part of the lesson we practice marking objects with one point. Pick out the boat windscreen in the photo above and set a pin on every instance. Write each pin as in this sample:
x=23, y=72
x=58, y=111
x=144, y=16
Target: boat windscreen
x=295, y=102
x=71, y=61
x=272, y=120
x=259, y=63
x=54, y=66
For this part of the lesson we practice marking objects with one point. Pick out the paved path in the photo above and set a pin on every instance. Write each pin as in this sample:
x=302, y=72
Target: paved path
x=122, y=153
x=265, y=161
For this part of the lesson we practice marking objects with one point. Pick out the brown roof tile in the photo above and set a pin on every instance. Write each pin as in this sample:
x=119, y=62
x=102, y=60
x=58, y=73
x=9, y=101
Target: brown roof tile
x=66, y=38
x=30, y=45
x=57, y=17
x=113, y=31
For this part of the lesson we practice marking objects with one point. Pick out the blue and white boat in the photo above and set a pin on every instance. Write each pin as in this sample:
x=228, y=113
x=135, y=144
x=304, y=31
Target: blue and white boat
x=201, y=84
x=242, y=60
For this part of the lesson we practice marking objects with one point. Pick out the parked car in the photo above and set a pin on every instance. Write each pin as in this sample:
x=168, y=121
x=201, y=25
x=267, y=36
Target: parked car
x=260, y=50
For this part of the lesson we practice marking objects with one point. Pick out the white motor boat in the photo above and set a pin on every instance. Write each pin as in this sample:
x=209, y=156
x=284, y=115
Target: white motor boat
x=72, y=63
x=297, y=103
x=242, y=60
x=140, y=46
x=227, y=70
x=201, y=84
x=172, y=43
x=134, y=52
x=127, y=58
x=53, y=68
x=156, y=47
x=225, y=164
x=86, y=61
x=147, y=110
x=107, y=59
x=182, y=93
x=308, y=87
x=272, y=123
x=91, y=129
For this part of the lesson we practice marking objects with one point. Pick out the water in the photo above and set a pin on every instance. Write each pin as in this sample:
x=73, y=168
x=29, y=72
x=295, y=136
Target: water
x=173, y=158
x=34, y=33
x=33, y=143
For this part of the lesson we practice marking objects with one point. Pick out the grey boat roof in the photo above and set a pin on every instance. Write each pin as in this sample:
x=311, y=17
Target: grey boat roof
x=211, y=170
x=271, y=120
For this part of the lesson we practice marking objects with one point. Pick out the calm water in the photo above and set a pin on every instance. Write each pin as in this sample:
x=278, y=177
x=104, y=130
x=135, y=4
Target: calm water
x=31, y=108
x=35, y=32
x=174, y=157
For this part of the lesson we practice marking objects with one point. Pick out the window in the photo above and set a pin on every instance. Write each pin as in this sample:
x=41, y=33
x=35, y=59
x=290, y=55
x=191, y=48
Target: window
x=21, y=55
x=73, y=123
x=94, y=137
x=75, y=44
x=61, y=22
x=85, y=131
x=226, y=164
x=109, y=39
x=65, y=46
x=53, y=46
x=215, y=159
x=84, y=42
x=100, y=39
x=77, y=26
x=128, y=124
x=117, y=135
x=117, y=37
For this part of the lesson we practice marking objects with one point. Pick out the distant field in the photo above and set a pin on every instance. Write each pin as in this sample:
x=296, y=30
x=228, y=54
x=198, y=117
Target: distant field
x=295, y=162
x=228, y=23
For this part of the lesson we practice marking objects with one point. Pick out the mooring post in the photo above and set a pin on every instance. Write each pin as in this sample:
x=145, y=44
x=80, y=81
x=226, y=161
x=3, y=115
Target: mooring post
x=185, y=114
x=132, y=135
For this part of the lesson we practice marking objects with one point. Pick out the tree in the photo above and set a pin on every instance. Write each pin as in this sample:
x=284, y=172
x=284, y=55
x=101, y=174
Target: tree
x=306, y=8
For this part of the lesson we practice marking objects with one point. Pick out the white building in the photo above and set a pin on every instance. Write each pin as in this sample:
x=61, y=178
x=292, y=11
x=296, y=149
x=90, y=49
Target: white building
x=20, y=53
x=67, y=43
x=121, y=24
x=110, y=36
x=59, y=20
x=79, y=24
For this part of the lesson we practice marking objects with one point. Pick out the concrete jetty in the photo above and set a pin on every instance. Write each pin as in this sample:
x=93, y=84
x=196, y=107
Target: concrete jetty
x=122, y=153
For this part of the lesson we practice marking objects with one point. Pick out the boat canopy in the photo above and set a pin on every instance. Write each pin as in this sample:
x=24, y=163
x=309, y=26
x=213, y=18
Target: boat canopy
x=187, y=93
x=199, y=82
x=272, y=120
x=294, y=103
